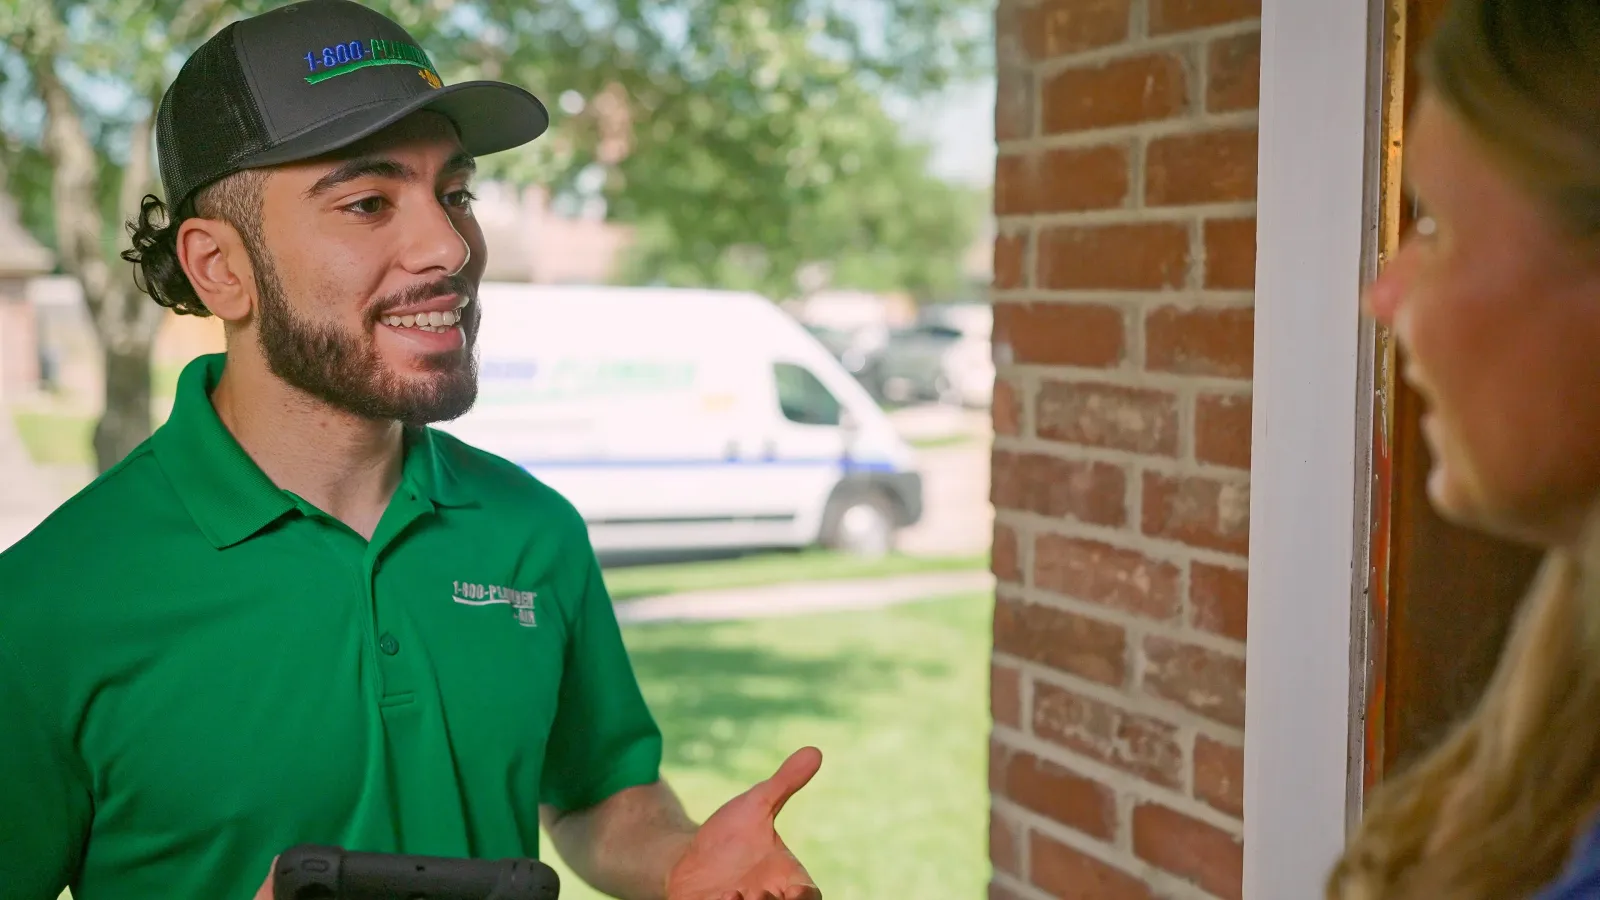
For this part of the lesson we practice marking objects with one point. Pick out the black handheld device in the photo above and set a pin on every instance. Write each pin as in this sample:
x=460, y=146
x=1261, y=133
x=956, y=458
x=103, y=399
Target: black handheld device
x=316, y=872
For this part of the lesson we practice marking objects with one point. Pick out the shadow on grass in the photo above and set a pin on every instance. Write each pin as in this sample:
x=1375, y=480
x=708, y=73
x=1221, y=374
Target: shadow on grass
x=713, y=697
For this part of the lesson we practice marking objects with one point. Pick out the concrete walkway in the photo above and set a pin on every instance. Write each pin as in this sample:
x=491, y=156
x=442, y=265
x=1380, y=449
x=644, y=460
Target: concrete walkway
x=800, y=598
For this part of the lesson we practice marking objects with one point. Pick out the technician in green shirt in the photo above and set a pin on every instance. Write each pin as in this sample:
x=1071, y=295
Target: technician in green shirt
x=296, y=614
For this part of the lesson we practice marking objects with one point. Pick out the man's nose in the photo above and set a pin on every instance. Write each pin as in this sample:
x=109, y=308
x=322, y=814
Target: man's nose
x=435, y=246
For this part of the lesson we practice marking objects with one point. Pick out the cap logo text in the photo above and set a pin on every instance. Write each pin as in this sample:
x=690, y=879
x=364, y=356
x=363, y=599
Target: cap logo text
x=341, y=59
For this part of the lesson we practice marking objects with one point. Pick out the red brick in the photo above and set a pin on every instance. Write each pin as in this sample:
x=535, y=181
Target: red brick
x=1061, y=334
x=1099, y=573
x=1140, y=745
x=1073, y=179
x=1208, y=167
x=1077, y=645
x=1014, y=184
x=1059, y=27
x=1005, y=409
x=1061, y=795
x=1103, y=415
x=1201, y=512
x=1013, y=102
x=1068, y=874
x=1233, y=73
x=1092, y=492
x=1121, y=92
x=1203, y=854
x=1005, y=844
x=1230, y=254
x=1222, y=429
x=1167, y=16
x=1003, y=556
x=1010, y=262
x=1217, y=342
x=1219, y=775
x=1005, y=695
x=1218, y=597
x=1196, y=678
x=1146, y=257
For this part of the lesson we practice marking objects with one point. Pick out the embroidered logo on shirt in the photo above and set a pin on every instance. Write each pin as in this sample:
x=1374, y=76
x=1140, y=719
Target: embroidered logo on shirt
x=521, y=602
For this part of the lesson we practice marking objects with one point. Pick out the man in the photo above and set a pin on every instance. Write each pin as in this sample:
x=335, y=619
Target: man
x=296, y=614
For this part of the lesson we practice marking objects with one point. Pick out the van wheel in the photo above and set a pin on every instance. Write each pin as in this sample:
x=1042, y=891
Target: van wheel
x=859, y=523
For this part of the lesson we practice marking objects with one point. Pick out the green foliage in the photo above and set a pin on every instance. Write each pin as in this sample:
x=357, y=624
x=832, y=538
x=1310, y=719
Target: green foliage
x=744, y=139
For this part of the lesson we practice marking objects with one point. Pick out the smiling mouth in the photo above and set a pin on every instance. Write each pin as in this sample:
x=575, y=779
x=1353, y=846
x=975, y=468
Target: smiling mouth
x=437, y=321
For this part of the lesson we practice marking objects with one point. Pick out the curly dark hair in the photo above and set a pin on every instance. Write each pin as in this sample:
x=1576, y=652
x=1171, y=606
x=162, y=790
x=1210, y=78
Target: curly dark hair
x=235, y=199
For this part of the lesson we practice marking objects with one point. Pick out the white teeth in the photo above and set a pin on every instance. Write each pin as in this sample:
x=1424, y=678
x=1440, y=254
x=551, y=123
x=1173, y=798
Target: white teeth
x=428, y=321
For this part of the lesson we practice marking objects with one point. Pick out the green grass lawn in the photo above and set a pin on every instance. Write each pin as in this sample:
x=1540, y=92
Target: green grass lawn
x=56, y=438
x=941, y=441
x=627, y=583
x=897, y=699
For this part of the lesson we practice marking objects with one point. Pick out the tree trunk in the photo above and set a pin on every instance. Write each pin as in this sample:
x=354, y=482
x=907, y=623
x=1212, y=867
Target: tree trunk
x=126, y=420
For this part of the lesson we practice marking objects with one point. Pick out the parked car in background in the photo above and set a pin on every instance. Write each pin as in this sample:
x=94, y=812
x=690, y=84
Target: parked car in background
x=857, y=350
x=687, y=420
x=946, y=357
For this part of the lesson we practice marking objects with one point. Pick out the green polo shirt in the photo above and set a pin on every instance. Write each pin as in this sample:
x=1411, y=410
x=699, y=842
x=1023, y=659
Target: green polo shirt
x=199, y=670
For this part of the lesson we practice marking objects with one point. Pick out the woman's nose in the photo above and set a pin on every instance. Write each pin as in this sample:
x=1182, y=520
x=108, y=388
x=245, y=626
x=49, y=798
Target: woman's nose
x=1383, y=297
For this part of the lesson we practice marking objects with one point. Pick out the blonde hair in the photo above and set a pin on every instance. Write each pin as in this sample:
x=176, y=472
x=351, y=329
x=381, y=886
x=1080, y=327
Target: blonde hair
x=1492, y=813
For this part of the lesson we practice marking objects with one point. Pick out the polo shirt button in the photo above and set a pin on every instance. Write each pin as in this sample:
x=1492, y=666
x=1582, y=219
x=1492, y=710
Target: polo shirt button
x=388, y=645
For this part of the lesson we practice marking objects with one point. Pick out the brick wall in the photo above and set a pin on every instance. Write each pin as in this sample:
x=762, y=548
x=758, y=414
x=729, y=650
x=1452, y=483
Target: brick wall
x=1124, y=270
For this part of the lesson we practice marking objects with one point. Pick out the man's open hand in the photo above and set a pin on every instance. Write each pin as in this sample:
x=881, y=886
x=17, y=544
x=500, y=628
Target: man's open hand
x=737, y=854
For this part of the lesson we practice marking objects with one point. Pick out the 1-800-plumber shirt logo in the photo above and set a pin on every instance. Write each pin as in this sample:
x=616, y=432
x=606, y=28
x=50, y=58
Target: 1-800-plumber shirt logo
x=521, y=602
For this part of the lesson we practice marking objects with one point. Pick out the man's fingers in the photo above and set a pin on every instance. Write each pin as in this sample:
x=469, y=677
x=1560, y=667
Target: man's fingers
x=795, y=773
x=802, y=892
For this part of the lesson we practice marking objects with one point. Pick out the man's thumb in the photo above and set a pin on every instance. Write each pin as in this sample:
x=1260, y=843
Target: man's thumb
x=265, y=891
x=795, y=773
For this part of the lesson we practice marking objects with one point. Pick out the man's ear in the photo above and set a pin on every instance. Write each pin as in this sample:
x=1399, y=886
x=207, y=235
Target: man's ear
x=213, y=256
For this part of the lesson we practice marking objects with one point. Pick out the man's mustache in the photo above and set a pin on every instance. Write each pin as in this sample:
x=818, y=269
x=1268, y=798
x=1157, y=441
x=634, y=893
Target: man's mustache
x=443, y=287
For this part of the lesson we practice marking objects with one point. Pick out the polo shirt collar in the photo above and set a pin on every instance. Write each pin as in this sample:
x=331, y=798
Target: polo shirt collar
x=227, y=495
x=429, y=473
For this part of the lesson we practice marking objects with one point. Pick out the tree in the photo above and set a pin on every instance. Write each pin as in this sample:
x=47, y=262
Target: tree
x=745, y=138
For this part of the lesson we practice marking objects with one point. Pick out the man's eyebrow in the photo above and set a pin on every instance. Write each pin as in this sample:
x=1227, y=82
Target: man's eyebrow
x=360, y=167
x=461, y=163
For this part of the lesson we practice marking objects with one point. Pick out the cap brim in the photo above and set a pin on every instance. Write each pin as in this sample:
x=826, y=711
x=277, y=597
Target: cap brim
x=490, y=116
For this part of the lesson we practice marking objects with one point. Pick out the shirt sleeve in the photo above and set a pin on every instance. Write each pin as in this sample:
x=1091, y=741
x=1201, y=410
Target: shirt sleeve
x=1581, y=880
x=44, y=805
x=603, y=738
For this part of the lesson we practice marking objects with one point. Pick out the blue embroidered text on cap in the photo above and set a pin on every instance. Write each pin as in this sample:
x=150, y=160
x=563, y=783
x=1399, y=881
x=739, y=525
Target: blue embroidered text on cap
x=340, y=59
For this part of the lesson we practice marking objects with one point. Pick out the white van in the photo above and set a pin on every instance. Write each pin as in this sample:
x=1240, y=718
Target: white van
x=686, y=419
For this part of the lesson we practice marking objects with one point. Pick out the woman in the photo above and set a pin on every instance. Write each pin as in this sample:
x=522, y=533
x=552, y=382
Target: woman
x=1496, y=298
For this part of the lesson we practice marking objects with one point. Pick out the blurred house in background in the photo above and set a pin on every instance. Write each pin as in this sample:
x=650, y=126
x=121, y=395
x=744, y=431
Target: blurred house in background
x=22, y=260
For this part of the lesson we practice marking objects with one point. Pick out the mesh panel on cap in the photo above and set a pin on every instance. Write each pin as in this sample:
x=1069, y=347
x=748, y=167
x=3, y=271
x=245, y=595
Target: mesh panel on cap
x=208, y=120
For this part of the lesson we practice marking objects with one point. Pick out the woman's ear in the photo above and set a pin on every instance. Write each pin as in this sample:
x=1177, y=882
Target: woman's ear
x=213, y=256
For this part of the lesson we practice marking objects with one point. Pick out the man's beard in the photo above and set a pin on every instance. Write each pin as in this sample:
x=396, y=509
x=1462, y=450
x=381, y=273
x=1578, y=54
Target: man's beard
x=345, y=370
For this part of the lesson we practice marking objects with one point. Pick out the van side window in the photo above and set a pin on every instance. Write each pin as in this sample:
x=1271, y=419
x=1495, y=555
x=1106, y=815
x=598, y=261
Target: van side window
x=803, y=398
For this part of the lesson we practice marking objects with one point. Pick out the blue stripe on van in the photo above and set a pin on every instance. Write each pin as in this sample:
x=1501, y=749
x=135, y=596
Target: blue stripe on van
x=670, y=463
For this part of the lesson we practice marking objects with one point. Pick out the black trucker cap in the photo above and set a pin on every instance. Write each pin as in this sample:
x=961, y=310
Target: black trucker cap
x=312, y=77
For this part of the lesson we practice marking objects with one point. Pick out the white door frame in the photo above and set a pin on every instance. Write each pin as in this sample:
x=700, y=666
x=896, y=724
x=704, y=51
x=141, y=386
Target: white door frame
x=1321, y=77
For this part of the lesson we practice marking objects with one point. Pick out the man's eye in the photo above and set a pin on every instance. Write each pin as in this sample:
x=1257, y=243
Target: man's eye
x=367, y=206
x=460, y=199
